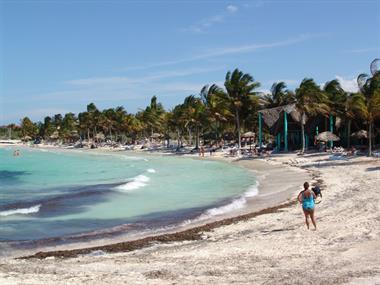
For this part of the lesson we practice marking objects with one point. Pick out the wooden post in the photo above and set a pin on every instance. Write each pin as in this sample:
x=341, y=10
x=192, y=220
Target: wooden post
x=285, y=132
x=260, y=131
x=331, y=128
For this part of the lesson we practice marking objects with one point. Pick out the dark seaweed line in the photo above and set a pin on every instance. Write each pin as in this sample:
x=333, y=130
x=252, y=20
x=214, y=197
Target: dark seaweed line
x=186, y=235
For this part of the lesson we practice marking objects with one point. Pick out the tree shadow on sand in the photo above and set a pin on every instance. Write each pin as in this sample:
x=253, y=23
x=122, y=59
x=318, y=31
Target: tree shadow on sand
x=376, y=168
x=347, y=161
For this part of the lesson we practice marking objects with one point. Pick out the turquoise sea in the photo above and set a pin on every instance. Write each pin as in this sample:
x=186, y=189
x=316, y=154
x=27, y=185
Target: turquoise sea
x=68, y=195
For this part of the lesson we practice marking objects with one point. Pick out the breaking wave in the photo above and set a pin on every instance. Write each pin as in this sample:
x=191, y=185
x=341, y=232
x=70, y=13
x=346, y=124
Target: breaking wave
x=21, y=211
x=137, y=182
x=236, y=204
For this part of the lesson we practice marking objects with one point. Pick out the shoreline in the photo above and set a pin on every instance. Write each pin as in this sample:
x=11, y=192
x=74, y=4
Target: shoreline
x=267, y=199
x=269, y=247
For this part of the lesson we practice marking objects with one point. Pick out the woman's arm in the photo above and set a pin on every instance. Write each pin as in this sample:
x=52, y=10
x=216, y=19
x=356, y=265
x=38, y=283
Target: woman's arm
x=299, y=198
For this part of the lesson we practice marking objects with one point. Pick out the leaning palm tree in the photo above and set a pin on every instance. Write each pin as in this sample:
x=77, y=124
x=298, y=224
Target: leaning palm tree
x=310, y=101
x=367, y=102
x=240, y=94
x=336, y=97
x=279, y=96
x=216, y=108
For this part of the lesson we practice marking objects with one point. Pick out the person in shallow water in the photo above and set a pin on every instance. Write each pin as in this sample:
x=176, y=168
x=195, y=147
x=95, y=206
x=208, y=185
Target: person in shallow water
x=307, y=199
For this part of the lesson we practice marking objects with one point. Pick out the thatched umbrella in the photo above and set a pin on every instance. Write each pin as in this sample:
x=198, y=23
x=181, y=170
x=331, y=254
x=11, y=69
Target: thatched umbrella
x=54, y=135
x=156, y=136
x=100, y=136
x=327, y=136
x=26, y=138
x=249, y=135
x=360, y=134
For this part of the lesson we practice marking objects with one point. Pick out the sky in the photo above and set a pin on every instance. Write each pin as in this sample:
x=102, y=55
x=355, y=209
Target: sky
x=58, y=56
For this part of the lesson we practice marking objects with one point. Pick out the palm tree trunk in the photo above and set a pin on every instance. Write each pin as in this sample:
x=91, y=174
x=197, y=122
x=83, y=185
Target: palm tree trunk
x=178, y=140
x=190, y=136
x=349, y=134
x=370, y=139
x=95, y=134
x=303, y=132
x=197, y=137
x=303, y=137
x=238, y=128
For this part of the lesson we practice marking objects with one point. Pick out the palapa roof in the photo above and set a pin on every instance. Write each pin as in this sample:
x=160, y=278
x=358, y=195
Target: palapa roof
x=271, y=116
x=327, y=136
x=248, y=135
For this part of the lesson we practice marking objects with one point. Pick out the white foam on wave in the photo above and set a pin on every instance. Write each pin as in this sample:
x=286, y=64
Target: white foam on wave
x=236, y=204
x=151, y=170
x=21, y=211
x=137, y=182
x=252, y=190
x=128, y=157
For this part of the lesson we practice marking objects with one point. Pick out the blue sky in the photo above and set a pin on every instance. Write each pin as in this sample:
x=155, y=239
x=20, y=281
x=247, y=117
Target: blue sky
x=58, y=56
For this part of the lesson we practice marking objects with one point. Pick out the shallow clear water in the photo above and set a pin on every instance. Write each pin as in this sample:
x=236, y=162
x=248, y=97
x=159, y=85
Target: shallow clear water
x=61, y=193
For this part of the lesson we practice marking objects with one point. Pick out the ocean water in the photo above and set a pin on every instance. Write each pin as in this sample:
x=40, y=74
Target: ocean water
x=72, y=194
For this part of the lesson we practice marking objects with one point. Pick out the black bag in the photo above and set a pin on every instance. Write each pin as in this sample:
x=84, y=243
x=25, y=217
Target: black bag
x=317, y=191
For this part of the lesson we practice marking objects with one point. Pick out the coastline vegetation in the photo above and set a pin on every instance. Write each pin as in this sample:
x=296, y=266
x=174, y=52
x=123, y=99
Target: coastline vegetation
x=216, y=113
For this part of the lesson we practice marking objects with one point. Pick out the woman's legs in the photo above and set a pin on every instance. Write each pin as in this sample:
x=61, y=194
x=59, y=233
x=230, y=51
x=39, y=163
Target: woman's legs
x=306, y=213
x=313, y=219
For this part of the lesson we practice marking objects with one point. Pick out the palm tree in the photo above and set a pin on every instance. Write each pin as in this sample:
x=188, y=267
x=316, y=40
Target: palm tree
x=240, y=94
x=47, y=128
x=152, y=116
x=177, y=123
x=367, y=102
x=93, y=116
x=310, y=100
x=349, y=115
x=69, y=125
x=216, y=108
x=109, y=121
x=194, y=110
x=85, y=123
x=337, y=98
x=28, y=128
x=279, y=96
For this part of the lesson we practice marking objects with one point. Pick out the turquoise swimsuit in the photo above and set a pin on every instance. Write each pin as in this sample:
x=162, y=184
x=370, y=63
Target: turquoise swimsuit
x=308, y=202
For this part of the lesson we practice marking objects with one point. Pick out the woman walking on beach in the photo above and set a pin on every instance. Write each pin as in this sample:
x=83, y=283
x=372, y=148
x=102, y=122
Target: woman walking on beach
x=307, y=198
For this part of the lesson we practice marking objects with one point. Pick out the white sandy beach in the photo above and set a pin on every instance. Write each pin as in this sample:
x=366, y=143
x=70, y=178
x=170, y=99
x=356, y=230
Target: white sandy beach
x=274, y=248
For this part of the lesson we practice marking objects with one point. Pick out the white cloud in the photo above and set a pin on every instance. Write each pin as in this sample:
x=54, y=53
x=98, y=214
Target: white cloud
x=216, y=52
x=264, y=91
x=232, y=8
x=252, y=47
x=202, y=26
x=288, y=82
x=364, y=50
x=129, y=81
x=349, y=85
